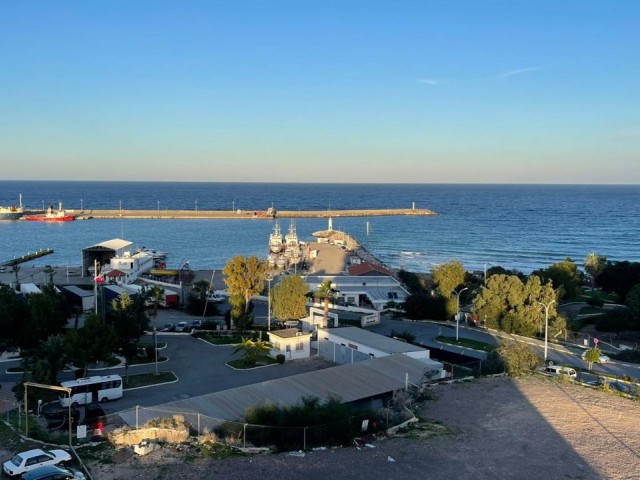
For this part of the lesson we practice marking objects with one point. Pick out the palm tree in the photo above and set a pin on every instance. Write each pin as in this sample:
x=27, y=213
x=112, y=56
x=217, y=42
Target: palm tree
x=49, y=271
x=594, y=264
x=52, y=357
x=326, y=293
x=156, y=295
x=16, y=269
x=252, y=349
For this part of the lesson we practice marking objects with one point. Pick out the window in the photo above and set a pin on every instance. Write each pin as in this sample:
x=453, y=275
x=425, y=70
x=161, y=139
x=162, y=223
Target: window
x=299, y=346
x=288, y=348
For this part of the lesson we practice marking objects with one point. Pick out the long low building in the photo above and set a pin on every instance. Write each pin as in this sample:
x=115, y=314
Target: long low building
x=360, y=382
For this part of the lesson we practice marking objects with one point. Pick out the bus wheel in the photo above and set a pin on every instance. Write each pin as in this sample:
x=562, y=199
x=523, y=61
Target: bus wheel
x=104, y=400
x=74, y=405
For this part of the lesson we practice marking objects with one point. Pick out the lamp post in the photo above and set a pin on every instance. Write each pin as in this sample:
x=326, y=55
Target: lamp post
x=546, y=325
x=458, y=309
x=196, y=205
x=268, y=277
x=120, y=202
x=233, y=206
x=155, y=340
x=158, y=208
x=81, y=206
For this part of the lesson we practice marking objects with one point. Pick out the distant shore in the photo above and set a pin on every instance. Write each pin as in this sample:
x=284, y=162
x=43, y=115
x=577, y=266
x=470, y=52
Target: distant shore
x=247, y=214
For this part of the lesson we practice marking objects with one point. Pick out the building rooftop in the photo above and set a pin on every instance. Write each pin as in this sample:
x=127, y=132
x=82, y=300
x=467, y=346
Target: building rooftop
x=288, y=333
x=373, y=340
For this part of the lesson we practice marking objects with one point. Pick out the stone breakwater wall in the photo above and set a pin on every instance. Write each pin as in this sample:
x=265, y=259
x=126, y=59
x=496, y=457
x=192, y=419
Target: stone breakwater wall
x=250, y=214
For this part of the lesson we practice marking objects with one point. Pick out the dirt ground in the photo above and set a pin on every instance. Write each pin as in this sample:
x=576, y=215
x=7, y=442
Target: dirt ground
x=494, y=428
x=499, y=428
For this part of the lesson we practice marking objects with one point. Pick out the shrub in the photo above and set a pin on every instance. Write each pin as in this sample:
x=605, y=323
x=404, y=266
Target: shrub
x=595, y=302
x=519, y=358
x=280, y=358
x=404, y=335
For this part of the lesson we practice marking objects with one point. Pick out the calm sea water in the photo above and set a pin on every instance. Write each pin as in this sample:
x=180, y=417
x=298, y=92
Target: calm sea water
x=520, y=227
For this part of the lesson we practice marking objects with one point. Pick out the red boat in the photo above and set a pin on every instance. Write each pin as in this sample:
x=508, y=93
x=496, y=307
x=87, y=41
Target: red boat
x=51, y=215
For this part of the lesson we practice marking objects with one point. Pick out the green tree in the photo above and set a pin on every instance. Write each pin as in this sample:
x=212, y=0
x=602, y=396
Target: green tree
x=591, y=356
x=289, y=298
x=565, y=276
x=240, y=316
x=129, y=320
x=252, y=350
x=16, y=269
x=633, y=304
x=594, y=264
x=47, y=315
x=508, y=304
x=245, y=277
x=13, y=312
x=48, y=270
x=619, y=278
x=326, y=294
x=156, y=295
x=448, y=276
x=95, y=342
x=51, y=358
x=421, y=306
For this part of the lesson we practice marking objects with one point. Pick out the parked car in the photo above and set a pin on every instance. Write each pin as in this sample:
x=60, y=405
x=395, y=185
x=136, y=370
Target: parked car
x=31, y=459
x=53, y=472
x=602, y=359
x=168, y=327
x=559, y=370
x=182, y=327
x=196, y=324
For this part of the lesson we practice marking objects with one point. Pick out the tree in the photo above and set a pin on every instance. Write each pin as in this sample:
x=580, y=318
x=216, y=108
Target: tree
x=48, y=270
x=591, y=356
x=245, y=277
x=13, y=311
x=518, y=358
x=325, y=293
x=82, y=347
x=619, y=277
x=594, y=264
x=252, y=350
x=240, y=316
x=289, y=298
x=47, y=315
x=420, y=306
x=565, y=276
x=51, y=358
x=448, y=276
x=156, y=295
x=16, y=269
x=129, y=321
x=508, y=304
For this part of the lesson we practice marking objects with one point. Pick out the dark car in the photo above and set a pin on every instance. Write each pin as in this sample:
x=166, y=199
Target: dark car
x=57, y=417
x=196, y=324
x=168, y=327
x=53, y=472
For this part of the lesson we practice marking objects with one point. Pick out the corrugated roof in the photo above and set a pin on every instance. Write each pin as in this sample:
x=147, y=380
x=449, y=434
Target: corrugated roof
x=373, y=340
x=78, y=291
x=349, y=382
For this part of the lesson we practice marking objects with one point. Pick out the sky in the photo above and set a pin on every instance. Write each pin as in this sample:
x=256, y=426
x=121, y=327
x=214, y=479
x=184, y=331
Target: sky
x=424, y=91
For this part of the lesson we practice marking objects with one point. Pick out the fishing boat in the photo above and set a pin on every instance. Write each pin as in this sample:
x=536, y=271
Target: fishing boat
x=12, y=212
x=275, y=239
x=51, y=215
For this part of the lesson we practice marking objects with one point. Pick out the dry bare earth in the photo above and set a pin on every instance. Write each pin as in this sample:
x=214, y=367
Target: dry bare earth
x=530, y=428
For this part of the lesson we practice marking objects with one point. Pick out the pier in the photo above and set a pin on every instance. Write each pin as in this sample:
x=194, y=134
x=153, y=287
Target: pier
x=251, y=214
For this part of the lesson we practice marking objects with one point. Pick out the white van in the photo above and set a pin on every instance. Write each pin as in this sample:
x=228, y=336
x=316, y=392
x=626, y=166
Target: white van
x=557, y=370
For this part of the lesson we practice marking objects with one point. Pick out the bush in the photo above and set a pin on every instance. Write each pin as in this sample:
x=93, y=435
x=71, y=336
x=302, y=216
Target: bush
x=615, y=320
x=519, y=358
x=595, y=302
x=280, y=358
x=404, y=335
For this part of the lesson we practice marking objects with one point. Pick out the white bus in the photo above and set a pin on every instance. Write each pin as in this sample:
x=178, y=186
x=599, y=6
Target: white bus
x=92, y=389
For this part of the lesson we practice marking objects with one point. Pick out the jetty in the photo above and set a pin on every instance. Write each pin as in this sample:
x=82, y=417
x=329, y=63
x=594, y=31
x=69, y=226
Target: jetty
x=251, y=214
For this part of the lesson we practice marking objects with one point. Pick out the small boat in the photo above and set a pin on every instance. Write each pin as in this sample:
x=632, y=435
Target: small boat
x=275, y=239
x=52, y=215
x=12, y=212
x=291, y=240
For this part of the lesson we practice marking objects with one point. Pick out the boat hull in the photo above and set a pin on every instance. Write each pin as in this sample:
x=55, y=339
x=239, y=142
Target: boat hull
x=41, y=218
x=10, y=216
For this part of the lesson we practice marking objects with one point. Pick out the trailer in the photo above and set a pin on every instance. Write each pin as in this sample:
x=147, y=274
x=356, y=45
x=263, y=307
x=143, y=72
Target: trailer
x=77, y=296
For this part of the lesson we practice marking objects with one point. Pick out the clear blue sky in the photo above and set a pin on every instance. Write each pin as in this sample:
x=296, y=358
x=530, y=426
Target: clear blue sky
x=449, y=91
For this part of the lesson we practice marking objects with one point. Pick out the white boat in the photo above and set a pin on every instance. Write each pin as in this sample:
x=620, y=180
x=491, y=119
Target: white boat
x=273, y=258
x=275, y=239
x=12, y=212
x=291, y=239
x=281, y=262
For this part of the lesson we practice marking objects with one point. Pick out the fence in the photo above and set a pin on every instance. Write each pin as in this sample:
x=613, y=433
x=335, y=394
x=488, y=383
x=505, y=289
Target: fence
x=282, y=438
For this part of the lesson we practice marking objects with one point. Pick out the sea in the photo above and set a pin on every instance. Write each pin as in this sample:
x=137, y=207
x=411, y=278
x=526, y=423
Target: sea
x=518, y=227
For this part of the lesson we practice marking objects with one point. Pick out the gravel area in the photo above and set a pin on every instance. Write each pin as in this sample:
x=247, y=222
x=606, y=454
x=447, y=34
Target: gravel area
x=498, y=428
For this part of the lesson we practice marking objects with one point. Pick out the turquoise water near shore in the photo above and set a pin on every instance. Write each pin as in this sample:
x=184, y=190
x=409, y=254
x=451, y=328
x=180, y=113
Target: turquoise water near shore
x=517, y=226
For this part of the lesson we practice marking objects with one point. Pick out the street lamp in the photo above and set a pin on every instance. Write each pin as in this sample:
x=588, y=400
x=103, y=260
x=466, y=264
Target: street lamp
x=458, y=309
x=81, y=206
x=233, y=206
x=546, y=325
x=196, y=205
x=158, y=208
x=268, y=277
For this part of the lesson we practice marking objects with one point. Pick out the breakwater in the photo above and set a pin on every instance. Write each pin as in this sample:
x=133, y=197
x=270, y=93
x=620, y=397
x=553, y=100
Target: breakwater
x=250, y=214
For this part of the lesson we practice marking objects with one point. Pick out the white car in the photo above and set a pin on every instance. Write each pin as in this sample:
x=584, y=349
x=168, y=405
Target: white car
x=602, y=359
x=32, y=459
x=182, y=327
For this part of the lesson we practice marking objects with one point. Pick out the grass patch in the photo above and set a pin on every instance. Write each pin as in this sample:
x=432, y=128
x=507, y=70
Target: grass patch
x=467, y=343
x=425, y=430
x=218, y=339
x=219, y=450
x=146, y=379
x=241, y=364
x=591, y=311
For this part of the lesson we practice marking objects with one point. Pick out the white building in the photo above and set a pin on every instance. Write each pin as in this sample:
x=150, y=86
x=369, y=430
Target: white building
x=291, y=343
x=351, y=345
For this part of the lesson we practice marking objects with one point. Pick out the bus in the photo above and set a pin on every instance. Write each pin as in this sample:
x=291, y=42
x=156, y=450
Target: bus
x=92, y=389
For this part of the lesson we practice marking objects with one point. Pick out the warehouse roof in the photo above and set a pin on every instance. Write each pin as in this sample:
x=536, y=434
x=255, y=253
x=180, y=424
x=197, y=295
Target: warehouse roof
x=373, y=340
